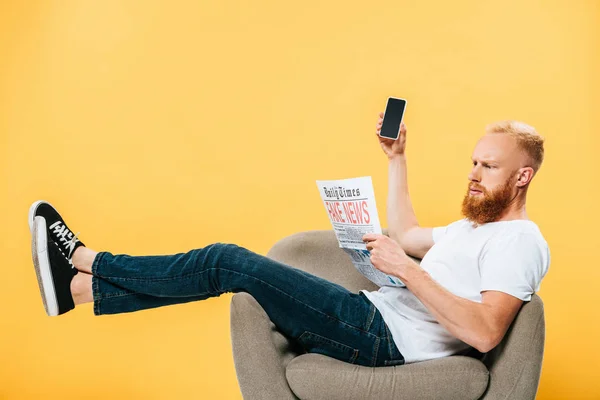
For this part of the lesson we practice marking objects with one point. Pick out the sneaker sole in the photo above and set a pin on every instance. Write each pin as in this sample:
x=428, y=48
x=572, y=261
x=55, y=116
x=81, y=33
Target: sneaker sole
x=32, y=210
x=41, y=262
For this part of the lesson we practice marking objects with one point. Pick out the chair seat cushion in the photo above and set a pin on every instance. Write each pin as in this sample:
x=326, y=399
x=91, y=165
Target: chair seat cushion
x=315, y=376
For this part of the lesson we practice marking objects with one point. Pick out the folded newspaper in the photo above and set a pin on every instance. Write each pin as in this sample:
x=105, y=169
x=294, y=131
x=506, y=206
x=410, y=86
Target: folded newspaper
x=352, y=210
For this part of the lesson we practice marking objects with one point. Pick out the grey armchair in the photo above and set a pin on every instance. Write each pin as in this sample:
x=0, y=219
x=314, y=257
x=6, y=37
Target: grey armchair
x=268, y=366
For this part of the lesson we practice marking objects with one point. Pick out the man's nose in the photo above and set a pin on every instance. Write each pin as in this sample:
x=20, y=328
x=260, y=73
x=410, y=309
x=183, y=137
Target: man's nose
x=474, y=175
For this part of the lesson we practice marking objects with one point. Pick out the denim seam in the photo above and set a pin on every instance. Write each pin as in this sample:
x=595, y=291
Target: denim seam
x=108, y=297
x=354, y=356
x=96, y=262
x=387, y=332
x=376, y=351
x=171, y=278
x=96, y=296
x=113, y=295
x=324, y=339
x=371, y=316
x=390, y=341
x=97, y=306
x=239, y=273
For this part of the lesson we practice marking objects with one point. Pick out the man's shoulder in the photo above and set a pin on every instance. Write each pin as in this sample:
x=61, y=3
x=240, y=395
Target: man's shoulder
x=524, y=232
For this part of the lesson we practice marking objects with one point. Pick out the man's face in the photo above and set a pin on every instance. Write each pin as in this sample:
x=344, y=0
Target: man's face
x=493, y=175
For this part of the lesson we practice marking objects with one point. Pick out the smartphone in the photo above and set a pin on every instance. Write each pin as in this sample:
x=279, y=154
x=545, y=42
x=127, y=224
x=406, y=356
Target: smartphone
x=392, y=118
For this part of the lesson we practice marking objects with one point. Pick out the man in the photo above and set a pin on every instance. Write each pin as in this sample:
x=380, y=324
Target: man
x=476, y=272
x=474, y=275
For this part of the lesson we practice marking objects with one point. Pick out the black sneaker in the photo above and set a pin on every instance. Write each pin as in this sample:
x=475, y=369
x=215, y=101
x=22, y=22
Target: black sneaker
x=58, y=232
x=54, y=273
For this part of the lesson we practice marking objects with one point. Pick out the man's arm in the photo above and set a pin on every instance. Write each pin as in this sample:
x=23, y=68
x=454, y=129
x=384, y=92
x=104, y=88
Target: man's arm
x=481, y=325
x=403, y=227
x=400, y=214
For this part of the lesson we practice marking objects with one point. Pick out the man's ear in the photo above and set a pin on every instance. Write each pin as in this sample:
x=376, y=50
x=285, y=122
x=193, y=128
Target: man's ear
x=525, y=176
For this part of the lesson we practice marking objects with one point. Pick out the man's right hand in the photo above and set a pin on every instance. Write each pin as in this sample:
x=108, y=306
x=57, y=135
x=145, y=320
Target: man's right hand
x=391, y=147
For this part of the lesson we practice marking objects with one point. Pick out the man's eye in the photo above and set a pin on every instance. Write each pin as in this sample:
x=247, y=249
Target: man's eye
x=485, y=165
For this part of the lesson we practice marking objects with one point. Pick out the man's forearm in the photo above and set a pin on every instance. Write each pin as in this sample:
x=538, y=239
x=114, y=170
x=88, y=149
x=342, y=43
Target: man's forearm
x=400, y=213
x=465, y=319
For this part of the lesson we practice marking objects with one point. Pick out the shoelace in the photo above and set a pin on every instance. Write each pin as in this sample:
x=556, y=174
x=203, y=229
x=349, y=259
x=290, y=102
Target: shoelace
x=71, y=244
x=61, y=230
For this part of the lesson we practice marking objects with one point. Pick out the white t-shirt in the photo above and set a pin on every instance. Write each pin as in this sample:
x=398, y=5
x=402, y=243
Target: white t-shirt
x=507, y=256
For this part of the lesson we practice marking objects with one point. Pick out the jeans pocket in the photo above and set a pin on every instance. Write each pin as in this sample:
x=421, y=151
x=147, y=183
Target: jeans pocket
x=313, y=343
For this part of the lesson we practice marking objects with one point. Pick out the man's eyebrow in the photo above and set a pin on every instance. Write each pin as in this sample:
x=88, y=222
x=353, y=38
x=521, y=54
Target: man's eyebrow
x=486, y=161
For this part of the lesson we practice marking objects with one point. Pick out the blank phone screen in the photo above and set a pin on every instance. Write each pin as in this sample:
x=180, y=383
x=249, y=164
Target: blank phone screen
x=394, y=111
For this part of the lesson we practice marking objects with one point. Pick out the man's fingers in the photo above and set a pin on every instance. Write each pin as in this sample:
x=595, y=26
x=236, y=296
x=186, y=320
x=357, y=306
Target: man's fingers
x=370, y=236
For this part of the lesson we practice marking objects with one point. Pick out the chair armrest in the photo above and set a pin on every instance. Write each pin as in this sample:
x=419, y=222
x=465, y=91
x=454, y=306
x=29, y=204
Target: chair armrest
x=515, y=364
x=260, y=352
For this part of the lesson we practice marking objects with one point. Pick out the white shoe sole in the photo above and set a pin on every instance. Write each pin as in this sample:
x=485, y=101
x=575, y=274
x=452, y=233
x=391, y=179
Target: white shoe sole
x=32, y=210
x=41, y=262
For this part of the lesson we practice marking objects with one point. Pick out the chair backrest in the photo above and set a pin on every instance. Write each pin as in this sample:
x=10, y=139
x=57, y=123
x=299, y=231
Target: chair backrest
x=515, y=364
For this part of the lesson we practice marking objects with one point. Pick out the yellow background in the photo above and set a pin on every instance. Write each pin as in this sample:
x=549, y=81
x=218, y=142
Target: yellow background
x=157, y=127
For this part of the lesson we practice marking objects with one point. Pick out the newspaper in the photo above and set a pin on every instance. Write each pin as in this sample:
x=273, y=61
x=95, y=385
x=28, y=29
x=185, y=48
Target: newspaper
x=352, y=210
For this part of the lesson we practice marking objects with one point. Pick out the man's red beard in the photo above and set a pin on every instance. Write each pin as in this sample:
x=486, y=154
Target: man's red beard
x=483, y=207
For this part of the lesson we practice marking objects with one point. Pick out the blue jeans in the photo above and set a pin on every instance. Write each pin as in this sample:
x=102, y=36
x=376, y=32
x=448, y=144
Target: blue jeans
x=320, y=316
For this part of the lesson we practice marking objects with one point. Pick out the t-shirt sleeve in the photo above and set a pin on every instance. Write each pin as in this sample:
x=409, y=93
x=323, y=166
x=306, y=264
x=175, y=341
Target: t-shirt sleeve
x=439, y=232
x=514, y=264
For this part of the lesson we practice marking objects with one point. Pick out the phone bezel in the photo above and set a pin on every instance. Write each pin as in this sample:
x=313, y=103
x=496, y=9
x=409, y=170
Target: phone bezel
x=401, y=119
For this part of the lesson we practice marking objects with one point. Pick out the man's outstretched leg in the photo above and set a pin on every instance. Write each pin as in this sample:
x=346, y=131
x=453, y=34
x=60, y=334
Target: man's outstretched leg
x=322, y=316
x=58, y=254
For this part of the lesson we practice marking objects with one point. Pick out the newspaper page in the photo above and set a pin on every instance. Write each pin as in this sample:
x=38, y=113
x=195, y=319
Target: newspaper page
x=352, y=210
